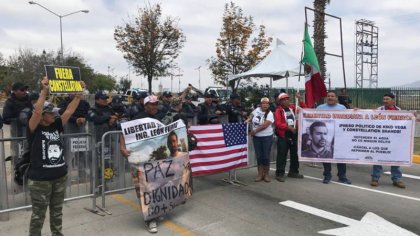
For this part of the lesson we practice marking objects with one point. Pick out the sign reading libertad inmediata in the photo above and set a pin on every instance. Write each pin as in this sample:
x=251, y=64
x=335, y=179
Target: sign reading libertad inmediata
x=356, y=136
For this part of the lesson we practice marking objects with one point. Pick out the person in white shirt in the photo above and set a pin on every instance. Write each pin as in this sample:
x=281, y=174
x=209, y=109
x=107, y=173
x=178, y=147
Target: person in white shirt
x=262, y=131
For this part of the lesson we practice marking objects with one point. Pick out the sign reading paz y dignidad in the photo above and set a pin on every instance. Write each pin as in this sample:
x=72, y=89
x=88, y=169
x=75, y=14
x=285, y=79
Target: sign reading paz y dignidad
x=64, y=79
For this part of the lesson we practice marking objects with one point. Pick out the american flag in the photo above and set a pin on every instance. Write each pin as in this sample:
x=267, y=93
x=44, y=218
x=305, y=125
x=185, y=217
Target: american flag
x=220, y=148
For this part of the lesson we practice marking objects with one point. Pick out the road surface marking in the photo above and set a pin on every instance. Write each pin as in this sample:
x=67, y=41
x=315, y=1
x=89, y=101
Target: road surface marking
x=371, y=224
x=404, y=175
x=363, y=188
x=169, y=224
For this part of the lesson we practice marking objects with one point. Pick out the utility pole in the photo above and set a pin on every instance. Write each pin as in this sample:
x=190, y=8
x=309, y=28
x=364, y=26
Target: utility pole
x=199, y=77
x=179, y=80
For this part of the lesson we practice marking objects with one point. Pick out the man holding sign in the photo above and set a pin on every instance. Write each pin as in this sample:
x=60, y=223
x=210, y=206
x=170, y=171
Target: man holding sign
x=332, y=104
x=396, y=174
x=159, y=159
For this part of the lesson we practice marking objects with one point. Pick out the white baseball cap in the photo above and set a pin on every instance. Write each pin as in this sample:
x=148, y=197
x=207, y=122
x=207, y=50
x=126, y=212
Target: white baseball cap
x=151, y=99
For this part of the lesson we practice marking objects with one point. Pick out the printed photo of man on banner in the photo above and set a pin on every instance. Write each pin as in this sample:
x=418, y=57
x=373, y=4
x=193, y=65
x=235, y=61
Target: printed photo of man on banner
x=319, y=138
x=160, y=163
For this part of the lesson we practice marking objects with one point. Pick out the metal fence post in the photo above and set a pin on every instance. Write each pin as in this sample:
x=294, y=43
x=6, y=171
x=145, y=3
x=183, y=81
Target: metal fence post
x=4, y=203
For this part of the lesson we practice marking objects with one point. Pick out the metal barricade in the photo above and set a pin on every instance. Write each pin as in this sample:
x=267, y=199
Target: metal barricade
x=79, y=151
x=115, y=170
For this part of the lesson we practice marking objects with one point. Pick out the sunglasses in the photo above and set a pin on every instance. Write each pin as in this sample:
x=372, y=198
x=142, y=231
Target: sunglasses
x=23, y=89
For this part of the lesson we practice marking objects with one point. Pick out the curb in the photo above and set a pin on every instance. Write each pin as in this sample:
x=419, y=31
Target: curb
x=416, y=159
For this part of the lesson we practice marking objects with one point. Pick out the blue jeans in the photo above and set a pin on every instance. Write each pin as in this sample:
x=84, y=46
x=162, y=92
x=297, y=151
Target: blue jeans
x=341, y=171
x=396, y=173
x=262, y=146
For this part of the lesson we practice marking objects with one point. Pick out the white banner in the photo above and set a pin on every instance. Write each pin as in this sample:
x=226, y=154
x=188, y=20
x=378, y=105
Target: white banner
x=159, y=154
x=356, y=136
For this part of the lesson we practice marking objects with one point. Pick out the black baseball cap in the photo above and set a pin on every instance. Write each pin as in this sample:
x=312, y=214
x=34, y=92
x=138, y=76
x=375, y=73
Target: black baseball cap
x=101, y=95
x=18, y=86
x=209, y=95
x=167, y=94
x=234, y=96
x=139, y=94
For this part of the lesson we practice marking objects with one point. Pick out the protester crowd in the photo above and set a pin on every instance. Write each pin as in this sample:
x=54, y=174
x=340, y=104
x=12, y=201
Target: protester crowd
x=35, y=116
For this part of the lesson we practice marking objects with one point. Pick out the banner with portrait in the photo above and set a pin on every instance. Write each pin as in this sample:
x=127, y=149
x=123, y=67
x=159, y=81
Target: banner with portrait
x=160, y=161
x=356, y=136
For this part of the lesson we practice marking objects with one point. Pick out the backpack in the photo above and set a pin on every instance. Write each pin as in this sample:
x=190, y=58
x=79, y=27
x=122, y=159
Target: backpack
x=21, y=168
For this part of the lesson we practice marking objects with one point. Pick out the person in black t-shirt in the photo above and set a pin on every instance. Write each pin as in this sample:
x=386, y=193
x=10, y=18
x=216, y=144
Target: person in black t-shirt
x=48, y=169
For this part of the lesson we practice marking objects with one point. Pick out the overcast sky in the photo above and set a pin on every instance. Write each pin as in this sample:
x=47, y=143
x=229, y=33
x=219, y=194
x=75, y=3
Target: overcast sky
x=29, y=26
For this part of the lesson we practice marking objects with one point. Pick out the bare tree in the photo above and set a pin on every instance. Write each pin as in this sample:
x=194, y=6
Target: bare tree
x=235, y=52
x=149, y=43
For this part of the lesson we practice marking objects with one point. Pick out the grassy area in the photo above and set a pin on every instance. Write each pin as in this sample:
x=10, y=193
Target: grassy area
x=416, y=146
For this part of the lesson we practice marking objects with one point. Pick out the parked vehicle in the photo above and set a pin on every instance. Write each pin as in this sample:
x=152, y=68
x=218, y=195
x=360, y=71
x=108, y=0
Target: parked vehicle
x=128, y=95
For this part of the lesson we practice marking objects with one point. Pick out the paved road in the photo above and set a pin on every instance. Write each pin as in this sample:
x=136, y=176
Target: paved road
x=218, y=208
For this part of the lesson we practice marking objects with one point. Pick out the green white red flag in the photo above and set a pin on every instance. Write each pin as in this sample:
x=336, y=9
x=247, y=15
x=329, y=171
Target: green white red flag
x=314, y=84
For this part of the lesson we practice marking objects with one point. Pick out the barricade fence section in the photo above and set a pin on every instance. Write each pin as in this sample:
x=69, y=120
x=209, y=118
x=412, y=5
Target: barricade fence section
x=115, y=170
x=78, y=153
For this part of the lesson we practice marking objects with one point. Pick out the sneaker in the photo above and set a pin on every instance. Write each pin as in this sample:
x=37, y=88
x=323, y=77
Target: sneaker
x=326, y=181
x=295, y=175
x=152, y=226
x=280, y=178
x=374, y=183
x=399, y=184
x=345, y=181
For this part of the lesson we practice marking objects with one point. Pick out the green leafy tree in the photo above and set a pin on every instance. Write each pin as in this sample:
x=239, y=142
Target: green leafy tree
x=149, y=43
x=319, y=33
x=101, y=82
x=3, y=69
x=87, y=73
x=27, y=66
x=159, y=154
x=236, y=51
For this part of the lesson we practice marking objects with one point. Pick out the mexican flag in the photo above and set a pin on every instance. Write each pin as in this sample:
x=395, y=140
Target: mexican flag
x=314, y=84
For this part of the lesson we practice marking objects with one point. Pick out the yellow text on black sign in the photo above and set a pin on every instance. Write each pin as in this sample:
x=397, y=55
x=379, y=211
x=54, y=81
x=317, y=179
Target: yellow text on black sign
x=57, y=86
x=63, y=73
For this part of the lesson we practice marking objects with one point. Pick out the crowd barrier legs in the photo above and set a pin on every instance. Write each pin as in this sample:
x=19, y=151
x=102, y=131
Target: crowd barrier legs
x=114, y=149
x=252, y=161
x=4, y=204
x=82, y=177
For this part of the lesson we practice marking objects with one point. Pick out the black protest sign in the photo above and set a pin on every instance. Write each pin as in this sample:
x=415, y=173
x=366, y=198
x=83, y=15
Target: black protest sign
x=64, y=79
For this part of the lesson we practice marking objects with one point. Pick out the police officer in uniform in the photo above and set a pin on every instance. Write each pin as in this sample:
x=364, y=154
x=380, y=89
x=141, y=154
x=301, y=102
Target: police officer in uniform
x=137, y=105
x=102, y=115
x=236, y=113
x=208, y=111
x=164, y=104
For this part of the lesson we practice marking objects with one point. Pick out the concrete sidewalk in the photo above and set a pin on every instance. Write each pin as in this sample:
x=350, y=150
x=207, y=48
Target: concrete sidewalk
x=126, y=219
x=218, y=208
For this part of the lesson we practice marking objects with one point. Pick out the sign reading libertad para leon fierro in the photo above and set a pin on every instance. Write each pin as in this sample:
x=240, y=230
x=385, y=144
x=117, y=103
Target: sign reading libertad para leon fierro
x=160, y=159
x=356, y=136
x=64, y=79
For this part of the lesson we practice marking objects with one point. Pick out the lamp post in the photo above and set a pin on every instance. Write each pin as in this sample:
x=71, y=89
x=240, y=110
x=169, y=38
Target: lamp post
x=61, y=25
x=199, y=77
